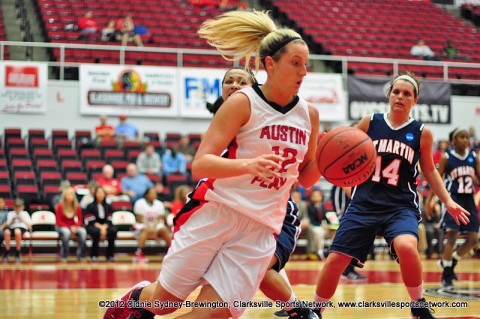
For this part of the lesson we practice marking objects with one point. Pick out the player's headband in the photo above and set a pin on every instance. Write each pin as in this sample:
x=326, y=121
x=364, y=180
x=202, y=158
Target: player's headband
x=408, y=78
x=457, y=131
x=282, y=44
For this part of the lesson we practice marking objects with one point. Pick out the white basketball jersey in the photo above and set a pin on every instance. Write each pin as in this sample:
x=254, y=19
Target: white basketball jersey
x=271, y=129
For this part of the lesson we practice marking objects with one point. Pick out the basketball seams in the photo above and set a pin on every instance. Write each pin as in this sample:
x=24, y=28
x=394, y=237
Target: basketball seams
x=348, y=151
x=343, y=164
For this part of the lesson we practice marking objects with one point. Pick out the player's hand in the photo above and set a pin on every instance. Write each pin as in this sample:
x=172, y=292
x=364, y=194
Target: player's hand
x=265, y=167
x=458, y=213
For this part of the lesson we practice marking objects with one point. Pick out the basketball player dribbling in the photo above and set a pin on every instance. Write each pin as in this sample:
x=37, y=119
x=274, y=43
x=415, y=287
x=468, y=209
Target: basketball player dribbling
x=459, y=166
x=224, y=235
x=388, y=200
x=275, y=284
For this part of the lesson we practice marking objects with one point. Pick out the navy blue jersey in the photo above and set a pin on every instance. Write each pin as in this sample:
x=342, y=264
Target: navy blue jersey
x=392, y=185
x=460, y=172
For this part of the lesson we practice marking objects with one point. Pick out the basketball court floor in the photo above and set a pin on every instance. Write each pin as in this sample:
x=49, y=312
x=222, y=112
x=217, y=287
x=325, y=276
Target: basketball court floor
x=44, y=289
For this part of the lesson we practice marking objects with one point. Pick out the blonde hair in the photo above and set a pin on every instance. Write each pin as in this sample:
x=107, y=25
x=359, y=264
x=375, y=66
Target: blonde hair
x=242, y=34
x=66, y=211
x=181, y=192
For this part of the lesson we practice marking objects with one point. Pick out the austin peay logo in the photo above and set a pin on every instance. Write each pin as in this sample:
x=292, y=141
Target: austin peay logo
x=356, y=163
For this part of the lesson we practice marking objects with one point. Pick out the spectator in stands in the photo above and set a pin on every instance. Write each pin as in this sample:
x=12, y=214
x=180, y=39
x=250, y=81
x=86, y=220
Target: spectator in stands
x=148, y=161
x=302, y=209
x=98, y=218
x=88, y=198
x=111, y=185
x=451, y=52
x=151, y=222
x=18, y=222
x=319, y=225
x=186, y=147
x=87, y=25
x=431, y=220
x=126, y=31
x=109, y=33
x=421, y=50
x=56, y=198
x=126, y=131
x=472, y=139
x=3, y=219
x=163, y=194
x=180, y=198
x=104, y=131
x=174, y=162
x=442, y=146
x=70, y=221
x=233, y=4
x=135, y=184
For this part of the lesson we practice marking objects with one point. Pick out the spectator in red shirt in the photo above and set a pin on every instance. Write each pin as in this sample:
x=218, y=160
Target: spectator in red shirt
x=70, y=221
x=86, y=24
x=180, y=198
x=104, y=131
x=111, y=185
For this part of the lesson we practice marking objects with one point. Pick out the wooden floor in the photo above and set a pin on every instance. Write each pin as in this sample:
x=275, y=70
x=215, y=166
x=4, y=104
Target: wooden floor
x=44, y=289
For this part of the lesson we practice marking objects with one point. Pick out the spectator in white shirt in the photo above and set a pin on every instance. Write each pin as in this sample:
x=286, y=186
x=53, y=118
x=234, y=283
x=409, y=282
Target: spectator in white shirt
x=421, y=50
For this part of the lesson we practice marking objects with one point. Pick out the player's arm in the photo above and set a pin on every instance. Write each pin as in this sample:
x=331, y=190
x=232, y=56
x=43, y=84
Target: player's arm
x=226, y=123
x=435, y=180
x=442, y=164
x=309, y=173
x=364, y=123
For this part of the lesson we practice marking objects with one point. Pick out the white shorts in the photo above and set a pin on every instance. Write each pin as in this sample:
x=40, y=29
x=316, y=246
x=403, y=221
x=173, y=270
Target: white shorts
x=222, y=246
x=138, y=228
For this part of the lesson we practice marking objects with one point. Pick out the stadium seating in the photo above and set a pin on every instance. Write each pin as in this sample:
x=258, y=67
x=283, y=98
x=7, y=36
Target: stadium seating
x=380, y=28
x=171, y=25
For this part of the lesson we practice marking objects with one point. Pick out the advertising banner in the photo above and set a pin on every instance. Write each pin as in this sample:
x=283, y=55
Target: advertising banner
x=368, y=95
x=23, y=87
x=132, y=90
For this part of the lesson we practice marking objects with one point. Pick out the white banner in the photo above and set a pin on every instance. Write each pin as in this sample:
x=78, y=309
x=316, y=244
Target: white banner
x=325, y=91
x=131, y=90
x=197, y=87
x=23, y=87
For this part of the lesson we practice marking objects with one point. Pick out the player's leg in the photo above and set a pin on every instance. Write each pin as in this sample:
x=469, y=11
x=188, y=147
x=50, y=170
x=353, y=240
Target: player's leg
x=351, y=244
x=208, y=293
x=401, y=232
x=447, y=262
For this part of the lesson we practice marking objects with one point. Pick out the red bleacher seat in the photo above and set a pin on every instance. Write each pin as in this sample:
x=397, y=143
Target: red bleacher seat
x=24, y=178
x=5, y=191
x=50, y=178
x=18, y=153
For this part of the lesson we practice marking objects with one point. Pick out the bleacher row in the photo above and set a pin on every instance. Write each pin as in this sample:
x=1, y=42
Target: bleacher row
x=32, y=166
x=171, y=25
x=378, y=28
x=384, y=29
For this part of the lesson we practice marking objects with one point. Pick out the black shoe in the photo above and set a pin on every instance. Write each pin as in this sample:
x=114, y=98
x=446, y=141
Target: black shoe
x=422, y=312
x=302, y=313
x=448, y=274
x=317, y=312
x=281, y=313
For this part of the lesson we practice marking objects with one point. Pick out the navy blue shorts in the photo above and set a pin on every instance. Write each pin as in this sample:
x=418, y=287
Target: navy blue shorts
x=287, y=239
x=356, y=233
x=286, y=243
x=466, y=201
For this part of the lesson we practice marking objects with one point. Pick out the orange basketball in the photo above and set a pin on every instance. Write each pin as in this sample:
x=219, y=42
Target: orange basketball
x=346, y=156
